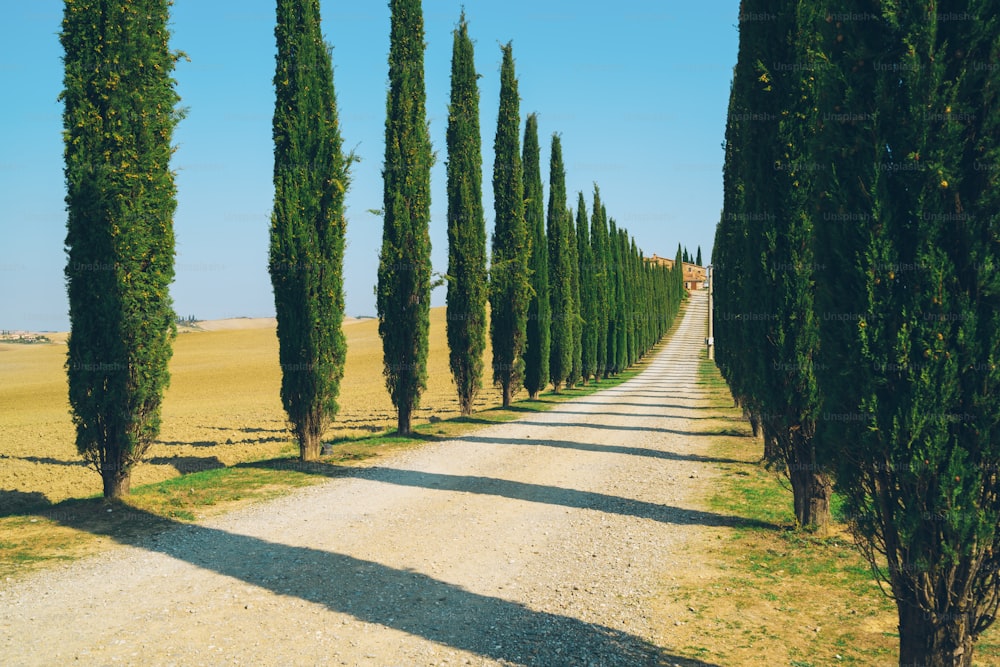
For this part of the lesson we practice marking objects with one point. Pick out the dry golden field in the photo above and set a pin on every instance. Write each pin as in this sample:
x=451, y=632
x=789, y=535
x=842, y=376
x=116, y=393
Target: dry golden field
x=222, y=407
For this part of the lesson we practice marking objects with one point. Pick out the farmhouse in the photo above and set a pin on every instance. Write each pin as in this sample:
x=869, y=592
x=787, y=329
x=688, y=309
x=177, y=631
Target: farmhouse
x=694, y=275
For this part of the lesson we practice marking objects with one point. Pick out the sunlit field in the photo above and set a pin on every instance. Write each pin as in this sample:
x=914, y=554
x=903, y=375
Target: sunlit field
x=223, y=406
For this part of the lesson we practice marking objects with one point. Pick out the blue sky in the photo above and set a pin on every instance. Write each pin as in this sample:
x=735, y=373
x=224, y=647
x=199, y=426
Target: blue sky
x=638, y=91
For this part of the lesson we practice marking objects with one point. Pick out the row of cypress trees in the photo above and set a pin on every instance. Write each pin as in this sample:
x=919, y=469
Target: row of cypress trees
x=120, y=111
x=857, y=289
x=546, y=285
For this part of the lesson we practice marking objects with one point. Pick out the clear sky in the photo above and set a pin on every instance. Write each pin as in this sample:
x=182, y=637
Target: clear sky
x=638, y=89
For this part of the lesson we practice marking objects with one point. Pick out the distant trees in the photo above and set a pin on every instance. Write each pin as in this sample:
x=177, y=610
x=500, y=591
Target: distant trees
x=404, y=272
x=467, y=277
x=857, y=291
x=509, y=282
x=560, y=271
x=119, y=116
x=537, y=340
x=307, y=225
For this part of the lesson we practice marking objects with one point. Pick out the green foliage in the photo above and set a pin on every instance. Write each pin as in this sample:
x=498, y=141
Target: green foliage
x=576, y=321
x=857, y=292
x=588, y=297
x=118, y=119
x=622, y=303
x=560, y=270
x=767, y=232
x=538, y=338
x=914, y=309
x=510, y=289
x=404, y=273
x=601, y=295
x=307, y=225
x=467, y=283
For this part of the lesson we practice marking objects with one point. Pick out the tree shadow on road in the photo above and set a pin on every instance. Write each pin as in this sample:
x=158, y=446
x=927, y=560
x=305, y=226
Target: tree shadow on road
x=602, y=449
x=549, y=495
x=405, y=600
x=649, y=414
x=618, y=427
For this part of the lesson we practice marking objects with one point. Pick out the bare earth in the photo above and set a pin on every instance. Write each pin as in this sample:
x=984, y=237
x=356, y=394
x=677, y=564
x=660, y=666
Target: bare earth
x=539, y=542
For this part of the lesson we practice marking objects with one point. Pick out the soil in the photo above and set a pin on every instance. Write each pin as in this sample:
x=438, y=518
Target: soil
x=539, y=542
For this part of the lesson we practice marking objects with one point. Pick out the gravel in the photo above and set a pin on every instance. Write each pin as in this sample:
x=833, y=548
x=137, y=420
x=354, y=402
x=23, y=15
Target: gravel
x=539, y=542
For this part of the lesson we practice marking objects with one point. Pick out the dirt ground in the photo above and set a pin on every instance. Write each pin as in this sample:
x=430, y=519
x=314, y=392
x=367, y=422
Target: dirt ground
x=222, y=407
x=540, y=542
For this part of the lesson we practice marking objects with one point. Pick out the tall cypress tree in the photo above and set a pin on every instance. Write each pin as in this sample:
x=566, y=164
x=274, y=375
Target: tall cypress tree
x=576, y=323
x=620, y=243
x=614, y=296
x=467, y=284
x=404, y=272
x=588, y=296
x=307, y=225
x=510, y=290
x=119, y=118
x=698, y=258
x=560, y=270
x=598, y=242
x=908, y=297
x=537, y=342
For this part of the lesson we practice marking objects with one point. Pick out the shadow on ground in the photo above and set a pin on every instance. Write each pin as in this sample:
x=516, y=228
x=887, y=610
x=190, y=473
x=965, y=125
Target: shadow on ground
x=551, y=495
x=13, y=502
x=406, y=600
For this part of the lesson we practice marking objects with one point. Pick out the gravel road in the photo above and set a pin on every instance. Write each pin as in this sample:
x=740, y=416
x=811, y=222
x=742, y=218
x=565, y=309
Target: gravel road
x=540, y=542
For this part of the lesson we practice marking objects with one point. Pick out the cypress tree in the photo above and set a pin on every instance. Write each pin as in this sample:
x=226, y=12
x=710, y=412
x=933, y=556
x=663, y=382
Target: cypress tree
x=307, y=225
x=119, y=118
x=560, y=271
x=598, y=242
x=614, y=296
x=620, y=243
x=537, y=342
x=588, y=314
x=635, y=301
x=404, y=273
x=773, y=293
x=576, y=321
x=698, y=258
x=467, y=284
x=907, y=298
x=510, y=289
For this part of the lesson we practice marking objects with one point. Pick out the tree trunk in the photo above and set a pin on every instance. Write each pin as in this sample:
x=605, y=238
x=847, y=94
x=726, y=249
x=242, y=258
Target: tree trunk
x=811, y=487
x=403, y=425
x=772, y=451
x=507, y=394
x=310, y=446
x=466, y=409
x=533, y=396
x=117, y=483
x=924, y=640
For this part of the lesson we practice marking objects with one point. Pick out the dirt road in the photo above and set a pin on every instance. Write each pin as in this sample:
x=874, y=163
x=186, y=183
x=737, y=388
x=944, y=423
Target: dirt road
x=539, y=542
